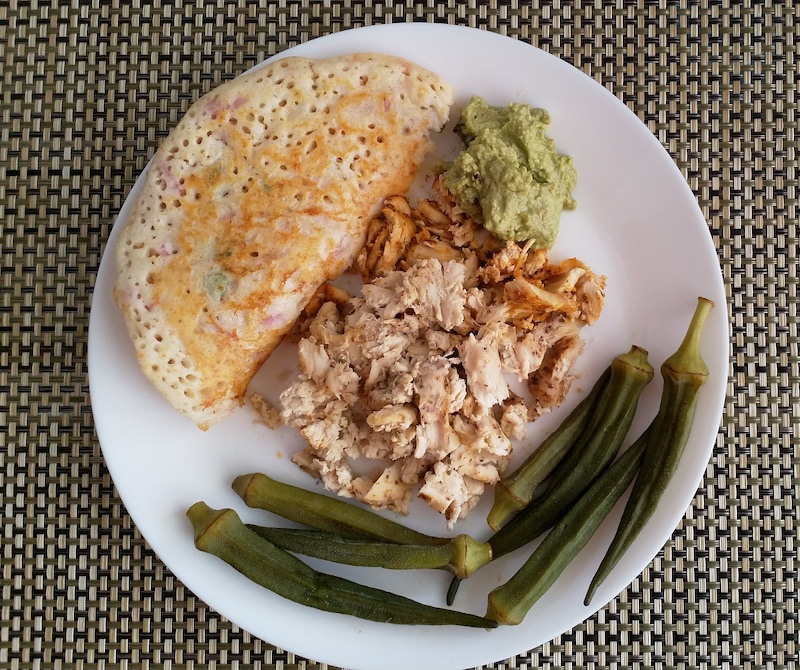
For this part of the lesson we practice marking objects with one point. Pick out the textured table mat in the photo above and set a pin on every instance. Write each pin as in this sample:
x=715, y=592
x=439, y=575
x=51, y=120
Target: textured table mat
x=88, y=88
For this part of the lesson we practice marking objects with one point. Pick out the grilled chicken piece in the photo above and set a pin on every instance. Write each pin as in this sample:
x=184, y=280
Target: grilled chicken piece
x=417, y=369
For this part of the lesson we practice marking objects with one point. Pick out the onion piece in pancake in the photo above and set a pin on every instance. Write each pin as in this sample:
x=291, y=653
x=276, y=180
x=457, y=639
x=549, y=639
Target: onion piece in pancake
x=263, y=192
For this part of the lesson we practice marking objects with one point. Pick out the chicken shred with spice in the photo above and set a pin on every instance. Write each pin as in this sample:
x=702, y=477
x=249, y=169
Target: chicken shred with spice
x=414, y=376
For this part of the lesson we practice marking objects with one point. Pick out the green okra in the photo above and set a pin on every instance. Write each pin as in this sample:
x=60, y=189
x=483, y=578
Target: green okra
x=595, y=449
x=602, y=430
x=222, y=533
x=323, y=512
x=509, y=603
x=684, y=374
x=515, y=490
x=461, y=556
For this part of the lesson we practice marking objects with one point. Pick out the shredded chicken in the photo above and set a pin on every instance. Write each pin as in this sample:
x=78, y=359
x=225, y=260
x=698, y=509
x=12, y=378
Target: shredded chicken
x=415, y=374
x=266, y=411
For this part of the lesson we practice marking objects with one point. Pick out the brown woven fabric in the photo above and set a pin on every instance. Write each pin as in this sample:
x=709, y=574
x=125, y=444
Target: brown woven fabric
x=88, y=87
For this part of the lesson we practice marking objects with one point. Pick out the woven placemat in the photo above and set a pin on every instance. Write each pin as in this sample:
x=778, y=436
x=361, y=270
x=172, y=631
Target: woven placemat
x=88, y=87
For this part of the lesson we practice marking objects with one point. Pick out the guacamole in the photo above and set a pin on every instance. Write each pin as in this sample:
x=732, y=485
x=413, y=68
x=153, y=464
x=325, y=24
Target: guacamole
x=510, y=177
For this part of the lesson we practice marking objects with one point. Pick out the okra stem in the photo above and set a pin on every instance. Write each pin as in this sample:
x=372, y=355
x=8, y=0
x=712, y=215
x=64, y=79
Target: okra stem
x=222, y=533
x=461, y=556
x=452, y=590
x=323, y=512
x=684, y=374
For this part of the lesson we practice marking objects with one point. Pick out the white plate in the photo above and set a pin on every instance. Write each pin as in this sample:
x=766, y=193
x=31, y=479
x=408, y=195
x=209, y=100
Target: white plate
x=637, y=222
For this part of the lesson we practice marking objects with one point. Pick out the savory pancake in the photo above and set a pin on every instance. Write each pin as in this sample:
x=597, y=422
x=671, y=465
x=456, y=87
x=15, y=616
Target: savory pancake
x=263, y=192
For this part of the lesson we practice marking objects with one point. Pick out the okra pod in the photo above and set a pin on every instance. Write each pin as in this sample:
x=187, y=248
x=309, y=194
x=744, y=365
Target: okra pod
x=222, y=533
x=461, y=556
x=515, y=490
x=323, y=512
x=684, y=374
x=509, y=603
x=597, y=447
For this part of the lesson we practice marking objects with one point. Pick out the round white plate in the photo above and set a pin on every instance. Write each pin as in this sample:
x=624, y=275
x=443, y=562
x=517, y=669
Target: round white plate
x=637, y=222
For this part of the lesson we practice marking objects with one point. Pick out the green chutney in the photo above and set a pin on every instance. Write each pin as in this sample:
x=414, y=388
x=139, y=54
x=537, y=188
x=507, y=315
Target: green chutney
x=510, y=178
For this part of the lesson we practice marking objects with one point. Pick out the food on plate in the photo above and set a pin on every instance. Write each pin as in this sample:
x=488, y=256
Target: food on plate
x=604, y=418
x=510, y=177
x=684, y=374
x=414, y=371
x=266, y=411
x=339, y=531
x=461, y=556
x=322, y=512
x=509, y=603
x=344, y=533
x=592, y=449
x=649, y=463
x=516, y=489
x=374, y=538
x=262, y=193
x=352, y=535
x=590, y=455
x=222, y=534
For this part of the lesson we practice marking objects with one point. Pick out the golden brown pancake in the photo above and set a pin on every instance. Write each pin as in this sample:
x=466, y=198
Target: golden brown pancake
x=262, y=193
